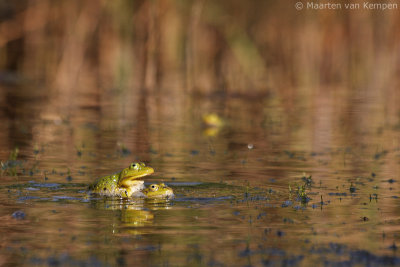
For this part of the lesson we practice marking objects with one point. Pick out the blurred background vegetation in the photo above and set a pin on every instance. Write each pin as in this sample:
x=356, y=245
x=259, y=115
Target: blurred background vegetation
x=197, y=46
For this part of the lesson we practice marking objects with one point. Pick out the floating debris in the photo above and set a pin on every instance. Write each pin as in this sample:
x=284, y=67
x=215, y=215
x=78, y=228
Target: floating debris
x=69, y=177
x=32, y=189
x=280, y=233
x=25, y=198
x=57, y=198
x=287, y=203
x=364, y=218
x=380, y=154
x=19, y=215
x=352, y=188
x=288, y=220
x=289, y=154
x=153, y=151
x=194, y=152
x=393, y=246
x=36, y=149
x=123, y=151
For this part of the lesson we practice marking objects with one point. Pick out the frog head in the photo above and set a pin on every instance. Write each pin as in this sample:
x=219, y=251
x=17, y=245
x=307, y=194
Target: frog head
x=158, y=191
x=136, y=170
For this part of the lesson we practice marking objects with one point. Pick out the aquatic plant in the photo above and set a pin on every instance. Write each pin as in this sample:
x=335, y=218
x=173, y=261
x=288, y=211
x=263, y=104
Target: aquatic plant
x=307, y=179
x=300, y=193
x=10, y=166
x=14, y=154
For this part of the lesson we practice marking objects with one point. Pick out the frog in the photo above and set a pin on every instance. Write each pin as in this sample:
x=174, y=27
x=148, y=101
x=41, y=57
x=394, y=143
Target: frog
x=125, y=184
x=158, y=191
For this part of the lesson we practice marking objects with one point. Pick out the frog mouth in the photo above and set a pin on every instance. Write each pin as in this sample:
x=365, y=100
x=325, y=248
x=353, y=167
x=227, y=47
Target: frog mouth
x=145, y=173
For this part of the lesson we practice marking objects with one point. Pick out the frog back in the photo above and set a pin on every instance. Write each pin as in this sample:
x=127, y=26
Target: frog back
x=106, y=185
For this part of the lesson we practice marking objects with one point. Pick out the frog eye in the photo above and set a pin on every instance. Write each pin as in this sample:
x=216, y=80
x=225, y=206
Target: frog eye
x=134, y=166
x=153, y=187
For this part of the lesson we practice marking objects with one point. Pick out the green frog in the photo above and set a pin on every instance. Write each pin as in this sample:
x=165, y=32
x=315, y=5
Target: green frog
x=158, y=191
x=125, y=184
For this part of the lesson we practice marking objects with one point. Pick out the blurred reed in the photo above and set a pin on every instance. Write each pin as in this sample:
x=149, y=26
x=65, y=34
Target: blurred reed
x=197, y=46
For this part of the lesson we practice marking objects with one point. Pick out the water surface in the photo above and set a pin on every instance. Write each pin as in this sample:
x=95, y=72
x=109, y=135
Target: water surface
x=236, y=186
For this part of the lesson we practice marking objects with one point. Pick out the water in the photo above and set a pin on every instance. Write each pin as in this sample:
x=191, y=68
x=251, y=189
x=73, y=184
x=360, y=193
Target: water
x=237, y=200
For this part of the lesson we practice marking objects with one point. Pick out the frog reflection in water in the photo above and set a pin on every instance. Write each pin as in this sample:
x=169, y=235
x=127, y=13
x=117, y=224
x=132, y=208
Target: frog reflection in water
x=125, y=184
